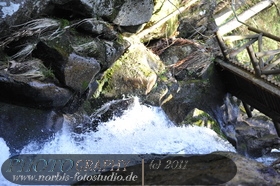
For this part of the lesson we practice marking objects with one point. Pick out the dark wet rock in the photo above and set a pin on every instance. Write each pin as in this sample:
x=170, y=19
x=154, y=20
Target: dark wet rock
x=82, y=123
x=251, y=172
x=21, y=42
x=54, y=54
x=121, y=13
x=21, y=89
x=32, y=68
x=250, y=138
x=68, y=58
x=113, y=51
x=71, y=70
x=255, y=141
x=21, y=125
x=98, y=28
x=112, y=109
x=106, y=9
x=260, y=120
x=14, y=13
x=104, y=51
x=194, y=84
x=95, y=48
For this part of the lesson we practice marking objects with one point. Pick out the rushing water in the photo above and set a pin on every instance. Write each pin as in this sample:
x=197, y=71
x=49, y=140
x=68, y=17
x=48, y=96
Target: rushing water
x=140, y=130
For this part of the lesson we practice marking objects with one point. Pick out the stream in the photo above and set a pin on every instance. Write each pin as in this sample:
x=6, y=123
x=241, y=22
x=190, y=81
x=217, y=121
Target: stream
x=141, y=129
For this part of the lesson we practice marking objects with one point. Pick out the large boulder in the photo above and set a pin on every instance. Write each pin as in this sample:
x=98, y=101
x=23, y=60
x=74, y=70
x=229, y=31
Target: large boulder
x=135, y=73
x=134, y=13
x=30, y=83
x=104, y=51
x=194, y=83
x=20, y=126
x=80, y=71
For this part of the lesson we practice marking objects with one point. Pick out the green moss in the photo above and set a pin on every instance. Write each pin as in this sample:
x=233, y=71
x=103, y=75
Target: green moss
x=131, y=73
x=202, y=119
x=79, y=38
x=85, y=85
x=4, y=59
x=105, y=82
x=48, y=73
x=64, y=23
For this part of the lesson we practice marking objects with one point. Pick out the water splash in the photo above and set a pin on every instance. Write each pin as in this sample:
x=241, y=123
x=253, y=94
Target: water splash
x=4, y=155
x=140, y=130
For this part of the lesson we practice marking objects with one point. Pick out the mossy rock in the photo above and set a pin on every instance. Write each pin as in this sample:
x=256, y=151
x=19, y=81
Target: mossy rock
x=134, y=73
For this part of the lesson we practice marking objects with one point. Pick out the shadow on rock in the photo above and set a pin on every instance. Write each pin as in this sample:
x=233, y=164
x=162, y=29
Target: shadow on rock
x=20, y=125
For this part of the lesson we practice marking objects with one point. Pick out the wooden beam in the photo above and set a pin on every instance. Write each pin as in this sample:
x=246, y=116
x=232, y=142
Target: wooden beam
x=266, y=34
x=234, y=23
x=267, y=53
x=272, y=65
x=269, y=59
x=226, y=12
x=236, y=38
x=250, y=77
x=254, y=61
x=260, y=49
x=243, y=47
x=222, y=45
x=270, y=72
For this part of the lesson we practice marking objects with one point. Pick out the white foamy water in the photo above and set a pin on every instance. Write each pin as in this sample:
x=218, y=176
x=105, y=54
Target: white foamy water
x=4, y=149
x=140, y=130
x=8, y=9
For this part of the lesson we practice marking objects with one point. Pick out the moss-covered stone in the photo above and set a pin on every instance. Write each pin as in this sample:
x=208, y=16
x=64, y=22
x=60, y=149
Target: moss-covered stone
x=135, y=72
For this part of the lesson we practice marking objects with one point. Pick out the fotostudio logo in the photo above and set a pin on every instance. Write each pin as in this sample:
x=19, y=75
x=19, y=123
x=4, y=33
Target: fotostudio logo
x=119, y=169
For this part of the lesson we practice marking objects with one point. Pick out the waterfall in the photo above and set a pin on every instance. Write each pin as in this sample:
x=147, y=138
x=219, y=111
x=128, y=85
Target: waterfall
x=141, y=129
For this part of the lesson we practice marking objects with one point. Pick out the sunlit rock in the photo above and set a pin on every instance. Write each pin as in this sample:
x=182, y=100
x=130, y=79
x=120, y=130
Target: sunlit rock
x=80, y=71
x=157, y=28
x=134, y=12
x=135, y=73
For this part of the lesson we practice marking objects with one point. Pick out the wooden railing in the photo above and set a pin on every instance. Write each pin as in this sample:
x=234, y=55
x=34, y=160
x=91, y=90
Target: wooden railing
x=260, y=66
